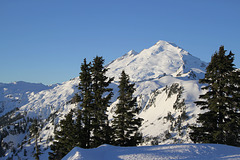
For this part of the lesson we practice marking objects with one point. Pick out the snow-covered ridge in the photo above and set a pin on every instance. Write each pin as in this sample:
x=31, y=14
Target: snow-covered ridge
x=49, y=101
x=16, y=94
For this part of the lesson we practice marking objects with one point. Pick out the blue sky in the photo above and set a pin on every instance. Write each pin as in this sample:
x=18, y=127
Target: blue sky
x=45, y=41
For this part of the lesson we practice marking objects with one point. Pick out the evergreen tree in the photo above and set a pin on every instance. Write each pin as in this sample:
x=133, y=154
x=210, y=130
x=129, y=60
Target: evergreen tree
x=78, y=131
x=101, y=99
x=64, y=138
x=85, y=87
x=220, y=123
x=232, y=120
x=76, y=99
x=1, y=149
x=25, y=152
x=34, y=131
x=125, y=123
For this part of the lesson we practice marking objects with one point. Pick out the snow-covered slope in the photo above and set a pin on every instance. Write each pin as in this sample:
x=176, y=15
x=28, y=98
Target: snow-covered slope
x=166, y=82
x=49, y=101
x=162, y=152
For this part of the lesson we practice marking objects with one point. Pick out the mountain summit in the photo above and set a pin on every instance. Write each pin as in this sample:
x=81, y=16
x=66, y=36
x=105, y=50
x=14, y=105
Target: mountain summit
x=163, y=58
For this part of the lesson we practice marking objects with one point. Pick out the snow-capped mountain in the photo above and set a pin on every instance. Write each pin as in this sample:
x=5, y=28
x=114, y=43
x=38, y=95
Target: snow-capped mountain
x=166, y=82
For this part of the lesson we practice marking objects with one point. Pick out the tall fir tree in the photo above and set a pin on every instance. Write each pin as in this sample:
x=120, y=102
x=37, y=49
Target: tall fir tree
x=101, y=100
x=85, y=87
x=79, y=140
x=220, y=123
x=125, y=123
x=232, y=117
x=64, y=138
x=34, y=131
x=1, y=148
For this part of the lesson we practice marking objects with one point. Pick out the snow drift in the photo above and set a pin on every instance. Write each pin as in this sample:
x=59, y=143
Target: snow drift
x=161, y=152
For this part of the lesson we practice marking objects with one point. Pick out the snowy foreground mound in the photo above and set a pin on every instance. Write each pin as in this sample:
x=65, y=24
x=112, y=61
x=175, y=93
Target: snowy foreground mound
x=161, y=152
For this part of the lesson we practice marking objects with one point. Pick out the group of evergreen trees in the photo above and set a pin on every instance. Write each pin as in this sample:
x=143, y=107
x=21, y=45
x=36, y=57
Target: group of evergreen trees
x=91, y=127
x=220, y=123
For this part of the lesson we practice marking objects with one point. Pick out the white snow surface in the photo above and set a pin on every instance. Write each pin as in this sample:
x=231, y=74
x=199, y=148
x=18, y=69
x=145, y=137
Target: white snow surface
x=161, y=152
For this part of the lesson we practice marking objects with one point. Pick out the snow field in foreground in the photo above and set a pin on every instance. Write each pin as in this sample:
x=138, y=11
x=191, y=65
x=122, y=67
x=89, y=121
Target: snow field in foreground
x=161, y=152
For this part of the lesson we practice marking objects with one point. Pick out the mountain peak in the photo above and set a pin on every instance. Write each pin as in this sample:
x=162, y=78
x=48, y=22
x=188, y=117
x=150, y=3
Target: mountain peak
x=168, y=46
x=163, y=58
x=132, y=52
x=162, y=42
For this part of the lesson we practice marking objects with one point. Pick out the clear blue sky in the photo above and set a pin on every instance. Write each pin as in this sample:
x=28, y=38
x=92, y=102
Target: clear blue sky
x=45, y=41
